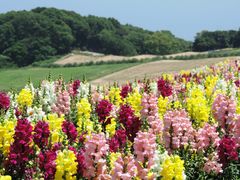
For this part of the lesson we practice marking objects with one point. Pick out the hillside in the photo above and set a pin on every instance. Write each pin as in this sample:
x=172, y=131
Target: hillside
x=30, y=36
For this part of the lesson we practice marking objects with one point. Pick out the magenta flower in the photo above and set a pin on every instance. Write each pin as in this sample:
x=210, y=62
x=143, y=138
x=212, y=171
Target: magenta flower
x=118, y=141
x=227, y=150
x=4, y=101
x=70, y=130
x=47, y=163
x=103, y=110
x=131, y=123
x=81, y=162
x=76, y=85
x=125, y=90
x=164, y=88
x=20, y=150
x=73, y=88
x=41, y=134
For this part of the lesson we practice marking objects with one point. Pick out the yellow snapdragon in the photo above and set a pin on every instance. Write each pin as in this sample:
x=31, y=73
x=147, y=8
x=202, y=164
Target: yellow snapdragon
x=197, y=107
x=210, y=84
x=113, y=158
x=168, y=77
x=66, y=165
x=114, y=96
x=162, y=106
x=84, y=113
x=173, y=168
x=134, y=99
x=55, y=126
x=7, y=177
x=111, y=128
x=6, y=135
x=25, y=98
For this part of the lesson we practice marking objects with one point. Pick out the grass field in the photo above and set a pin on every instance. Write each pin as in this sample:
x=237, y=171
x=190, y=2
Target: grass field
x=17, y=78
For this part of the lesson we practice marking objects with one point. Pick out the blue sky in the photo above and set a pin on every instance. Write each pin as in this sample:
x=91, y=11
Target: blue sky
x=183, y=17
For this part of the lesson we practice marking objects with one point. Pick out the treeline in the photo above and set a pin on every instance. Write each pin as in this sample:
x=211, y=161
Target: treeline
x=30, y=36
x=207, y=40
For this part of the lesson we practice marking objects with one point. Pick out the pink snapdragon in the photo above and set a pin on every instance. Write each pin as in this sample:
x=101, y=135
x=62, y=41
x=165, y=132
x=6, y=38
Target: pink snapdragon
x=124, y=168
x=212, y=165
x=96, y=148
x=178, y=130
x=224, y=109
x=207, y=136
x=150, y=113
x=235, y=131
x=62, y=106
x=144, y=149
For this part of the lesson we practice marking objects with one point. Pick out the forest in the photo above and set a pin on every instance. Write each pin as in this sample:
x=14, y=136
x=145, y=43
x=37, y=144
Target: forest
x=30, y=36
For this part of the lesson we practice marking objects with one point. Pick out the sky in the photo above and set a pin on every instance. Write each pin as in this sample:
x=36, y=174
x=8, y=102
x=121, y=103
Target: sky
x=184, y=18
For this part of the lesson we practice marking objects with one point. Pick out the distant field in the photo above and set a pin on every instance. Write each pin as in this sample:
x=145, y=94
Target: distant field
x=154, y=69
x=82, y=57
x=78, y=57
x=17, y=78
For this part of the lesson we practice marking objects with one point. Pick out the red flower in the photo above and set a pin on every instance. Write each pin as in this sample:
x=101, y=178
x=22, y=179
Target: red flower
x=4, y=101
x=41, y=134
x=81, y=162
x=118, y=141
x=125, y=90
x=227, y=150
x=76, y=85
x=47, y=163
x=237, y=83
x=20, y=150
x=131, y=123
x=164, y=88
x=103, y=110
x=70, y=130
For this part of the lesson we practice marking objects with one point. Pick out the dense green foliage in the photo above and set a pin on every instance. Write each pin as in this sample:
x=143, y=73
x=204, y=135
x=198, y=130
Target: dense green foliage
x=207, y=40
x=30, y=36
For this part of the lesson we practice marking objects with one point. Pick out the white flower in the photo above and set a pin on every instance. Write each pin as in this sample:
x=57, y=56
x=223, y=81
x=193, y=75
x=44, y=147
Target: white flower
x=30, y=87
x=221, y=84
x=35, y=113
x=159, y=158
x=83, y=90
x=153, y=87
x=47, y=93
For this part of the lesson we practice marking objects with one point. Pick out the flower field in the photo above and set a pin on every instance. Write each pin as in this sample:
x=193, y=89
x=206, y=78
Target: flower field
x=177, y=126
